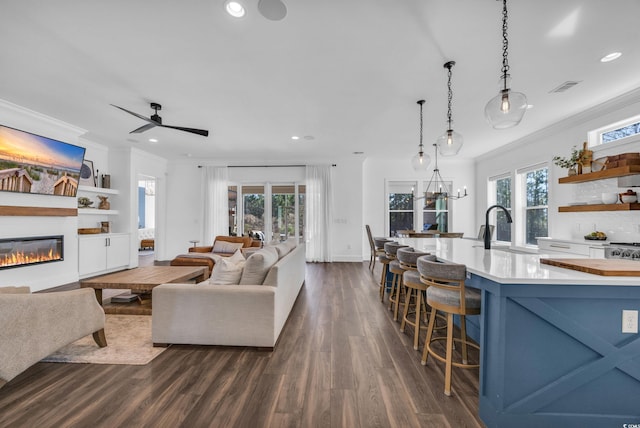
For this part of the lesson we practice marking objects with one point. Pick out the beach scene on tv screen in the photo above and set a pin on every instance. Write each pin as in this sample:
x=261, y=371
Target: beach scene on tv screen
x=31, y=163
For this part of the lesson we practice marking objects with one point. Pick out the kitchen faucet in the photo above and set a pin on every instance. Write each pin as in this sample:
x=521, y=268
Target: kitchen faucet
x=487, y=232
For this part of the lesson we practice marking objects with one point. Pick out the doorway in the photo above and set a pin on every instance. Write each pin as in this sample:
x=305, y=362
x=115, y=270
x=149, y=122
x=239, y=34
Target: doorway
x=146, y=220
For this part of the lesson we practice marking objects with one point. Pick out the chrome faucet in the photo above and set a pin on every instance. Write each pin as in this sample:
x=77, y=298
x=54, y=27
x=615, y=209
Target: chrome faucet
x=487, y=232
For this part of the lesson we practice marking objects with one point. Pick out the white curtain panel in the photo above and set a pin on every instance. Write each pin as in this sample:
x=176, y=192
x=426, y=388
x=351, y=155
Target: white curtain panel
x=319, y=215
x=216, y=202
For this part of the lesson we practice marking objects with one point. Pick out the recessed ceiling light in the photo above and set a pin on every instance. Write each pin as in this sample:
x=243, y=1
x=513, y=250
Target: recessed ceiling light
x=529, y=106
x=234, y=9
x=153, y=140
x=295, y=137
x=611, y=57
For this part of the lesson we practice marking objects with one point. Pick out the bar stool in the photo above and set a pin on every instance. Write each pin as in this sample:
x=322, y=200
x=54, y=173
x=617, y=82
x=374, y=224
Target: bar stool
x=415, y=290
x=406, y=258
x=397, y=289
x=447, y=293
x=375, y=252
x=390, y=249
x=384, y=260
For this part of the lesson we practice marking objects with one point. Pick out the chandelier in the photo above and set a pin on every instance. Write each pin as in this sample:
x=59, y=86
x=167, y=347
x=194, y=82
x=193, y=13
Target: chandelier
x=506, y=109
x=437, y=189
x=450, y=142
x=421, y=161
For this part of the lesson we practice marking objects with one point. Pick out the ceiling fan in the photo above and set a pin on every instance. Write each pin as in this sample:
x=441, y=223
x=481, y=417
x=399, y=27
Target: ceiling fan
x=156, y=120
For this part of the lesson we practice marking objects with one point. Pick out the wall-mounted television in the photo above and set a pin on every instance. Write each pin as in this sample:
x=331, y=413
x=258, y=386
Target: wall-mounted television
x=31, y=163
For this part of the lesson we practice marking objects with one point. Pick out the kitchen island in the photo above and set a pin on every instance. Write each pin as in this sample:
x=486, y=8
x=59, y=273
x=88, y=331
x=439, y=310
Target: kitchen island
x=552, y=349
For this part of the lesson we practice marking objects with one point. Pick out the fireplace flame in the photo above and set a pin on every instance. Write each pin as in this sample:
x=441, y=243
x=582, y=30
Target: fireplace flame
x=22, y=258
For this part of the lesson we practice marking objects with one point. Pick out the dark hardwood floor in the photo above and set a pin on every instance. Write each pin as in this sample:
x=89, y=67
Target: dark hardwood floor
x=341, y=362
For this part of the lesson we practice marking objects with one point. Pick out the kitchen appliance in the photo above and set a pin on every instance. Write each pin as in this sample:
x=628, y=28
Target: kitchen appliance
x=623, y=250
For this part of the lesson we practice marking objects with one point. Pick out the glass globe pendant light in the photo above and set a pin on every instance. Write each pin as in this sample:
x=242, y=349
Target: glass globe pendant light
x=450, y=142
x=421, y=161
x=506, y=109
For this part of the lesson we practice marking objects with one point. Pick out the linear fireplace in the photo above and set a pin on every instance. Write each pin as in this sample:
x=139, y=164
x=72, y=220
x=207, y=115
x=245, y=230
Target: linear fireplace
x=18, y=252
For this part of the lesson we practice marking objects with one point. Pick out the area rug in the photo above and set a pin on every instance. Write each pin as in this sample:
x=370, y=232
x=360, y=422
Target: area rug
x=128, y=342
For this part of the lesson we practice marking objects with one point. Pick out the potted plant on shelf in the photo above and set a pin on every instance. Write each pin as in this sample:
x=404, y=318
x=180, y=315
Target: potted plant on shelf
x=571, y=163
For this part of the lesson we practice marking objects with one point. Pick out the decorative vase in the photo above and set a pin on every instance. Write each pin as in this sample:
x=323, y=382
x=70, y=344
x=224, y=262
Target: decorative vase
x=573, y=171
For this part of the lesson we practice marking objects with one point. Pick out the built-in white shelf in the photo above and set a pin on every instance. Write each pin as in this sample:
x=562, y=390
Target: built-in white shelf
x=96, y=211
x=90, y=189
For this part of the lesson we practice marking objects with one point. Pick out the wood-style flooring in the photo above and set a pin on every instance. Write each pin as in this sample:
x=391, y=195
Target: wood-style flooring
x=341, y=362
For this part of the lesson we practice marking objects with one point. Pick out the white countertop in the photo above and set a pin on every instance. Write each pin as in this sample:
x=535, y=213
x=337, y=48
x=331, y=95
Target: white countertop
x=501, y=265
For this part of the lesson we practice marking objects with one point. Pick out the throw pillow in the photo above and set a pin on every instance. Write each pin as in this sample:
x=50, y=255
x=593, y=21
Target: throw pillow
x=258, y=265
x=227, y=272
x=237, y=257
x=224, y=247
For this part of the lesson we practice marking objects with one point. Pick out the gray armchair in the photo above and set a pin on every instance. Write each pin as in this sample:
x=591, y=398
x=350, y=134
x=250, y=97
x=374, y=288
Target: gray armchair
x=33, y=326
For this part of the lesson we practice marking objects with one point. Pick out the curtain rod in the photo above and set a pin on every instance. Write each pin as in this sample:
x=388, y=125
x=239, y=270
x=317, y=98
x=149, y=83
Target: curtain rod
x=266, y=166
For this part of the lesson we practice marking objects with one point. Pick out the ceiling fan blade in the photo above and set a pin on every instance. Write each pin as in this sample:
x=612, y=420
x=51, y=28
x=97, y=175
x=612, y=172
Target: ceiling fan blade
x=135, y=114
x=202, y=132
x=143, y=128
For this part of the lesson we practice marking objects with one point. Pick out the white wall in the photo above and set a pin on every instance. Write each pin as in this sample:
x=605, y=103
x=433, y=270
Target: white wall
x=558, y=140
x=376, y=170
x=47, y=275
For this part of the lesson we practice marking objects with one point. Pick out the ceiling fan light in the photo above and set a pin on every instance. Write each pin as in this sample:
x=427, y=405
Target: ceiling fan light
x=235, y=9
x=449, y=143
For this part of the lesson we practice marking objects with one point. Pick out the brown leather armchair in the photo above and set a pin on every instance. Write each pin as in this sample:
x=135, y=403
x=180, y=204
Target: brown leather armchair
x=193, y=259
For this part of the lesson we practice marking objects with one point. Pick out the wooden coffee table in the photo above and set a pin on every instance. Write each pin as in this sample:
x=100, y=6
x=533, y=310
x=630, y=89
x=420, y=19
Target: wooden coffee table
x=141, y=281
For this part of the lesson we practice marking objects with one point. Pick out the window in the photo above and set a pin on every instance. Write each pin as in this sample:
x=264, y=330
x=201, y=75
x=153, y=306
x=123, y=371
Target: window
x=435, y=213
x=500, y=194
x=535, y=197
x=283, y=211
x=268, y=211
x=400, y=206
x=253, y=209
x=624, y=131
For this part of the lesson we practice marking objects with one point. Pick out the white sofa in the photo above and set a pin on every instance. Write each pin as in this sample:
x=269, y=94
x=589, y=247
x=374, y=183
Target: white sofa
x=229, y=315
x=33, y=326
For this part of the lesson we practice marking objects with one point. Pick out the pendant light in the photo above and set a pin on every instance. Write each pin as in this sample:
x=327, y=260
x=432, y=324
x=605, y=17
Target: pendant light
x=421, y=161
x=506, y=109
x=450, y=142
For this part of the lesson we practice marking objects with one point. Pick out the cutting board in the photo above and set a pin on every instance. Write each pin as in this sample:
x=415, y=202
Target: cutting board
x=605, y=267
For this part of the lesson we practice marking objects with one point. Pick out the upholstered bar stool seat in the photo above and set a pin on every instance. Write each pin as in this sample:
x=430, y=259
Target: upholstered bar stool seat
x=415, y=291
x=390, y=249
x=397, y=290
x=406, y=258
x=447, y=293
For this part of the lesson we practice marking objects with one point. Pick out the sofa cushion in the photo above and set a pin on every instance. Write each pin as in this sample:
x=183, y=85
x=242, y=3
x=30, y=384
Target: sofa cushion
x=224, y=247
x=258, y=265
x=228, y=270
x=282, y=249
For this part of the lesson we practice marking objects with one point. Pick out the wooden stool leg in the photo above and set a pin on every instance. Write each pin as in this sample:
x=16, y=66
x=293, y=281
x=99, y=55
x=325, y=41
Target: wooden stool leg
x=416, y=330
x=463, y=334
x=447, y=370
x=427, y=342
x=383, y=280
x=405, y=312
x=392, y=293
x=401, y=291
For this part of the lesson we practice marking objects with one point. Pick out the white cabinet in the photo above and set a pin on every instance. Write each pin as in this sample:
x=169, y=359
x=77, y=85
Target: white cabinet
x=102, y=253
x=594, y=249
